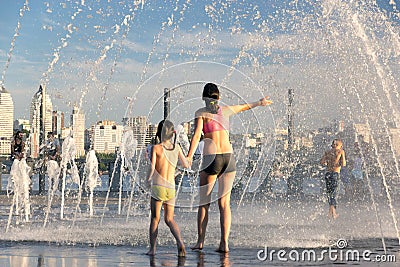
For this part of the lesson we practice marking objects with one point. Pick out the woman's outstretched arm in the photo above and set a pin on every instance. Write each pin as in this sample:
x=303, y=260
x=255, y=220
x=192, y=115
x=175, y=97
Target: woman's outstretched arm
x=239, y=108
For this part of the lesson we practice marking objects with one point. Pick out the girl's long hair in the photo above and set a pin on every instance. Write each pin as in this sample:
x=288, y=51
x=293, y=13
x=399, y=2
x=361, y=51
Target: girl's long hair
x=211, y=97
x=165, y=131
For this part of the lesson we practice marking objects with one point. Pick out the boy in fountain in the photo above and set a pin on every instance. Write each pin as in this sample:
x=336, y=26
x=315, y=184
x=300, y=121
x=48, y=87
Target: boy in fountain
x=164, y=158
x=334, y=159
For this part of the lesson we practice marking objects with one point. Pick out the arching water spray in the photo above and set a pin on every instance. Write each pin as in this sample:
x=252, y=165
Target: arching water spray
x=183, y=141
x=56, y=53
x=20, y=183
x=380, y=72
x=128, y=150
x=16, y=34
x=54, y=174
x=91, y=176
x=126, y=21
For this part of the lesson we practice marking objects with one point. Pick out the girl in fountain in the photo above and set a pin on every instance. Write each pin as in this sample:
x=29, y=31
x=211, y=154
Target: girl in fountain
x=334, y=159
x=164, y=158
x=218, y=160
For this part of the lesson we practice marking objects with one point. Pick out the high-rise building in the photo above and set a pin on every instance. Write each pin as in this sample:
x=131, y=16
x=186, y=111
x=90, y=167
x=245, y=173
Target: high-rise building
x=151, y=132
x=139, y=127
x=78, y=128
x=35, y=117
x=57, y=122
x=6, y=121
x=88, y=141
x=106, y=136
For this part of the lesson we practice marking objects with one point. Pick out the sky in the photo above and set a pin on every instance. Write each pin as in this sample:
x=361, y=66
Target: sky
x=113, y=58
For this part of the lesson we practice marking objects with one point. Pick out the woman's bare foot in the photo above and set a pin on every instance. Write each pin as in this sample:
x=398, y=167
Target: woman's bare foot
x=151, y=252
x=223, y=248
x=181, y=251
x=198, y=246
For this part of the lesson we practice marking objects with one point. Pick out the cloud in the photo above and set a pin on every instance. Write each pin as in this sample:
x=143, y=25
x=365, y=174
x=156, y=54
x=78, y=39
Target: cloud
x=136, y=46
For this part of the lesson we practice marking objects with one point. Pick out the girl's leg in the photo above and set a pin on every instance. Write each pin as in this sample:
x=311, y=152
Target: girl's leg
x=206, y=185
x=225, y=183
x=169, y=220
x=155, y=207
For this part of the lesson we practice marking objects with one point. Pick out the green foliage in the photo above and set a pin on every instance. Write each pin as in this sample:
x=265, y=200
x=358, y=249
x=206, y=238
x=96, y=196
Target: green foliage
x=104, y=159
x=105, y=156
x=102, y=166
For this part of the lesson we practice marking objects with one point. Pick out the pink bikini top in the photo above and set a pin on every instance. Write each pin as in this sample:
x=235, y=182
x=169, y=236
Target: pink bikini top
x=217, y=123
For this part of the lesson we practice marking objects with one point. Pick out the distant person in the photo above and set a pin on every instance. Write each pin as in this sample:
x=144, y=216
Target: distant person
x=198, y=154
x=17, y=146
x=53, y=148
x=357, y=171
x=345, y=177
x=334, y=159
x=218, y=160
x=164, y=158
x=52, y=152
x=19, y=176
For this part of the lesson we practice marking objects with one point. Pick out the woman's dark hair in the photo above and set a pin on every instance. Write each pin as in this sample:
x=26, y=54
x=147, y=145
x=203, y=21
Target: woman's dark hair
x=17, y=134
x=165, y=131
x=211, y=97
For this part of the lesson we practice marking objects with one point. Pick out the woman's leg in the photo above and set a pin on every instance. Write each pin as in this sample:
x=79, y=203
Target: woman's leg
x=155, y=207
x=225, y=183
x=169, y=220
x=206, y=185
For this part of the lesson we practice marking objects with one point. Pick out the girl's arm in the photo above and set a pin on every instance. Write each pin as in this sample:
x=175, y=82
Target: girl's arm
x=182, y=158
x=195, y=138
x=152, y=165
x=239, y=108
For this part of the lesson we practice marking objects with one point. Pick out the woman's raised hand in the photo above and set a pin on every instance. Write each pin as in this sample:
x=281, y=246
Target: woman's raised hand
x=265, y=101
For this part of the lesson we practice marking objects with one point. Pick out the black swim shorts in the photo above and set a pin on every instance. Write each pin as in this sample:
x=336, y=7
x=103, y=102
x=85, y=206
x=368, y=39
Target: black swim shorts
x=218, y=163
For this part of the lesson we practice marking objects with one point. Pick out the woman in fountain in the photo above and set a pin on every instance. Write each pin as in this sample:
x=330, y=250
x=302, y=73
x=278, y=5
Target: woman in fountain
x=164, y=158
x=218, y=160
x=17, y=146
x=334, y=159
